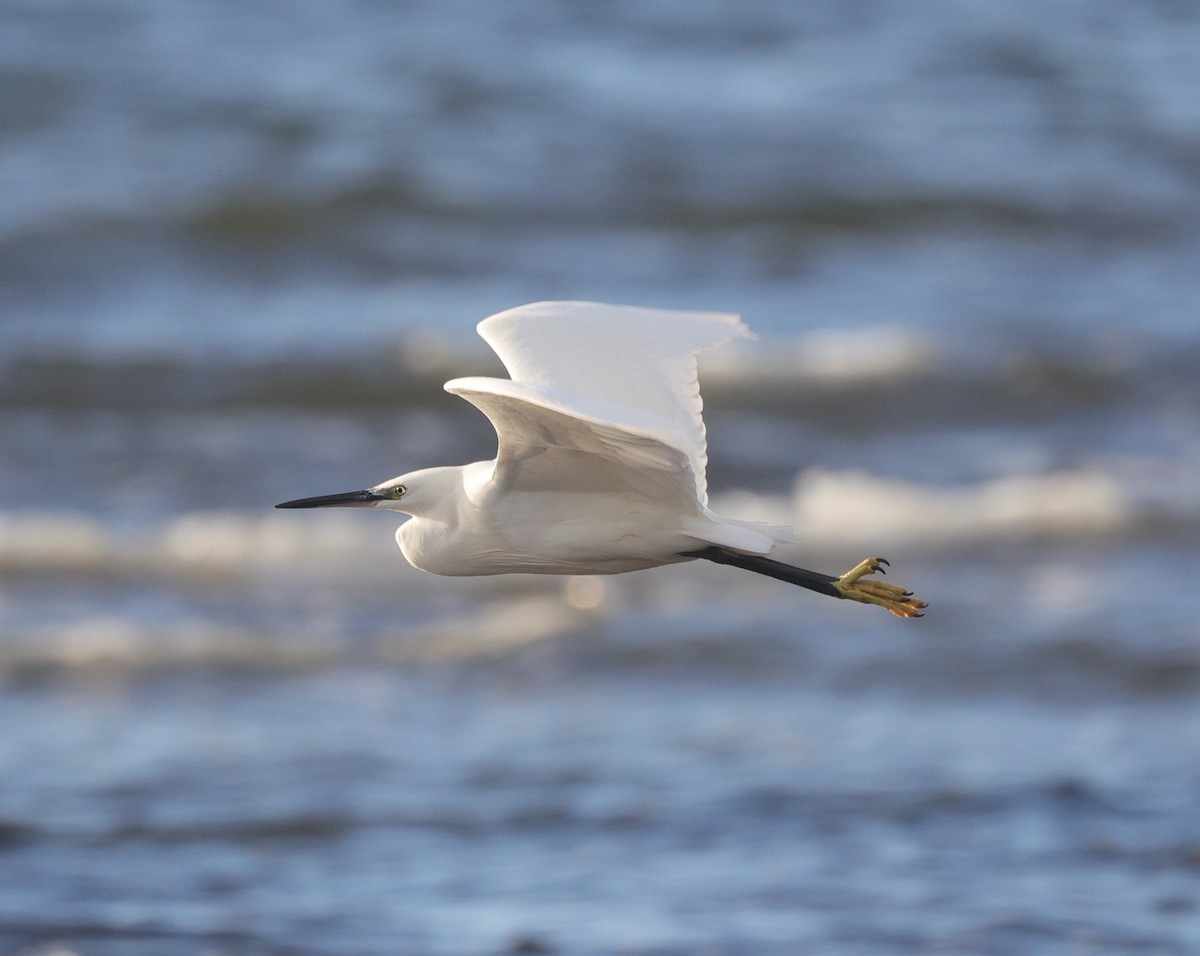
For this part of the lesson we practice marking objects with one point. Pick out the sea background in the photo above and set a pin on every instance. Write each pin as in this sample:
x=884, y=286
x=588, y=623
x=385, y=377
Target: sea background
x=243, y=244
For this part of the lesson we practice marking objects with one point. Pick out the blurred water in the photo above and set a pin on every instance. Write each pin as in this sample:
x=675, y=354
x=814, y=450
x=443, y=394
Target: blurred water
x=242, y=246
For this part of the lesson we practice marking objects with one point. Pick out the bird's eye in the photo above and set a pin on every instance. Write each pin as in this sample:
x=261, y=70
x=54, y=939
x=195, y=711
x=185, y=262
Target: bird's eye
x=399, y=491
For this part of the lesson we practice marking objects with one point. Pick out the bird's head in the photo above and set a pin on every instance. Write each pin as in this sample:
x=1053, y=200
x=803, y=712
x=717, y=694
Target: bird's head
x=417, y=493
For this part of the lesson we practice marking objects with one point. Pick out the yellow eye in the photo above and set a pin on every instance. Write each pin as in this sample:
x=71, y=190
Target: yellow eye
x=399, y=491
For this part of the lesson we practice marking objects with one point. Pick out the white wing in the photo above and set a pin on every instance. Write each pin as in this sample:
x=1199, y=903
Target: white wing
x=642, y=360
x=551, y=440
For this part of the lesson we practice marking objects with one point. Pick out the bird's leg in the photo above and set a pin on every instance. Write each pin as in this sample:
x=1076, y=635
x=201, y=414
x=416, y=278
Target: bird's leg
x=850, y=585
x=856, y=585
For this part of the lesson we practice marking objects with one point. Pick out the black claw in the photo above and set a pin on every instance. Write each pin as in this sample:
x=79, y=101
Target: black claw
x=907, y=594
x=884, y=561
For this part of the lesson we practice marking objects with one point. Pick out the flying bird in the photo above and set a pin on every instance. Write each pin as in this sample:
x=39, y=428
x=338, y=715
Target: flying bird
x=601, y=460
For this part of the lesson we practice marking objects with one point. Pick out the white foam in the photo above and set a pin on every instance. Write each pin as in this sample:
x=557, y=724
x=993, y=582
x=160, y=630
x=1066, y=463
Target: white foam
x=864, y=353
x=52, y=540
x=115, y=642
x=868, y=353
x=861, y=508
x=207, y=542
x=494, y=625
x=229, y=542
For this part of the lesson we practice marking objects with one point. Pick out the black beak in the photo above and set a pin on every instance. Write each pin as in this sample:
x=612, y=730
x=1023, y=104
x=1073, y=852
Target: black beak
x=347, y=499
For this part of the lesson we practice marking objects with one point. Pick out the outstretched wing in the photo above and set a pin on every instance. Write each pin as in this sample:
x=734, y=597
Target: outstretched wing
x=642, y=360
x=551, y=440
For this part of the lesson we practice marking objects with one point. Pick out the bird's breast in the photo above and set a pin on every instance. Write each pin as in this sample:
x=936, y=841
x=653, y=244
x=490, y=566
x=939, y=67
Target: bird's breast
x=439, y=548
x=427, y=546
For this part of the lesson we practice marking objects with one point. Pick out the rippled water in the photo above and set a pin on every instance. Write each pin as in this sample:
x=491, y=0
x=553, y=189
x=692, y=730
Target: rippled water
x=242, y=246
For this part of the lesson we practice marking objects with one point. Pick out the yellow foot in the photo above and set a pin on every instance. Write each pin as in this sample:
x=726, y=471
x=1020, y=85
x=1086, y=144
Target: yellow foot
x=852, y=585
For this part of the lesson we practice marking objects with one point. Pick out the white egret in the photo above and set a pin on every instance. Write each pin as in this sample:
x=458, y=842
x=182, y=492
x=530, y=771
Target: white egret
x=601, y=461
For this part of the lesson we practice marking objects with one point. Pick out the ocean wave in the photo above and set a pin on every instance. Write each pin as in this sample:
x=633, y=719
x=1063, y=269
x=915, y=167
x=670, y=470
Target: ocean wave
x=838, y=507
x=804, y=374
x=824, y=507
x=878, y=353
x=547, y=639
x=855, y=506
x=207, y=544
x=110, y=643
x=346, y=220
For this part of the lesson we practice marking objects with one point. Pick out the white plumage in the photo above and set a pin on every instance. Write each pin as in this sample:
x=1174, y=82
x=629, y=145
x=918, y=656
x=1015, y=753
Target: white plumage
x=601, y=460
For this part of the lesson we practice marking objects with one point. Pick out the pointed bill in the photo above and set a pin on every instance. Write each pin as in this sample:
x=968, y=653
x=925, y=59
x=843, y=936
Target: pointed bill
x=346, y=499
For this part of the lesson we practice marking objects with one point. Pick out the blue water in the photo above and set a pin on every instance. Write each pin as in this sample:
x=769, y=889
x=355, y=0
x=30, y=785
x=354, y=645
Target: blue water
x=242, y=246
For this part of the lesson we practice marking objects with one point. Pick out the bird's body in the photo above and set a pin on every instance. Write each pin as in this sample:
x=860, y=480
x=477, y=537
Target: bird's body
x=601, y=460
x=477, y=527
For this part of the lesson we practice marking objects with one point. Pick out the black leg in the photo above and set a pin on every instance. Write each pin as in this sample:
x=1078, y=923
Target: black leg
x=813, y=580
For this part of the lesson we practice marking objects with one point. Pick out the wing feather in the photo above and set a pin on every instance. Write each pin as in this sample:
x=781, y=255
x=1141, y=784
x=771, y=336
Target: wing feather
x=639, y=358
x=554, y=441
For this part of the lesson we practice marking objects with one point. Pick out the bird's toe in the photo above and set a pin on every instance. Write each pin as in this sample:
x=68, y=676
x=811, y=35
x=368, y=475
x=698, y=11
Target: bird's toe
x=856, y=585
